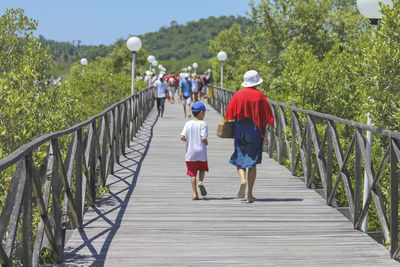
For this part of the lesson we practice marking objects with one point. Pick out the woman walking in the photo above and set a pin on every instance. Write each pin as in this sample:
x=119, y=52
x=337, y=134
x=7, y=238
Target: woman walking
x=252, y=113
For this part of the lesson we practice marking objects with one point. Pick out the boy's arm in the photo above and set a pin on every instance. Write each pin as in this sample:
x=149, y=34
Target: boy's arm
x=204, y=133
x=183, y=138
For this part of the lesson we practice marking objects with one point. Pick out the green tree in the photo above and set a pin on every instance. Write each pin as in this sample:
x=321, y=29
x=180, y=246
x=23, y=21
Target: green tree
x=378, y=69
x=65, y=56
x=30, y=107
x=230, y=41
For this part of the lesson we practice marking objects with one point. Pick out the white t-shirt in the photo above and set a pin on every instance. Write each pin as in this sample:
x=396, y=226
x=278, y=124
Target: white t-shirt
x=160, y=88
x=195, y=131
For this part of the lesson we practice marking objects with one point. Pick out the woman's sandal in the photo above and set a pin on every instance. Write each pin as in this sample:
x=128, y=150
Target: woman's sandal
x=195, y=198
x=247, y=201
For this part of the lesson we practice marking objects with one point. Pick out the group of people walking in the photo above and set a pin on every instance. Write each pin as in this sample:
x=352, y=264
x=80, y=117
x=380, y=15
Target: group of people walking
x=189, y=87
x=252, y=113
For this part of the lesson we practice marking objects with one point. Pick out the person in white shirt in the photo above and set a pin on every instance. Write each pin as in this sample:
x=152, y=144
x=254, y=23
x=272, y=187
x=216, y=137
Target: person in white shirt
x=195, y=134
x=182, y=75
x=160, y=88
x=147, y=78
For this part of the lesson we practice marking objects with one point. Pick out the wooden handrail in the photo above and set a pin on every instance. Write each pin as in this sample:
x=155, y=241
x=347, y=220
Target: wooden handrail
x=65, y=179
x=302, y=143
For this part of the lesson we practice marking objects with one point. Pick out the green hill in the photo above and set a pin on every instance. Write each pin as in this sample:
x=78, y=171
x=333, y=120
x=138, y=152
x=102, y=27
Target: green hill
x=189, y=40
x=175, y=46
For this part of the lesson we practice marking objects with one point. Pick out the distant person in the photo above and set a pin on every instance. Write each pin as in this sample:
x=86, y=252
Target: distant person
x=138, y=77
x=182, y=75
x=251, y=111
x=160, y=90
x=200, y=87
x=154, y=78
x=195, y=88
x=172, y=85
x=207, y=80
x=147, y=78
x=185, y=94
x=195, y=134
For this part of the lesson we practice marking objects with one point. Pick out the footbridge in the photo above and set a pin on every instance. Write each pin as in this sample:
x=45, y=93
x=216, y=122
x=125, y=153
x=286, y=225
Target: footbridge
x=113, y=191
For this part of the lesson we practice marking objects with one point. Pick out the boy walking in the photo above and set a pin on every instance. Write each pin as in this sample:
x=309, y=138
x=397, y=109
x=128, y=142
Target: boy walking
x=195, y=134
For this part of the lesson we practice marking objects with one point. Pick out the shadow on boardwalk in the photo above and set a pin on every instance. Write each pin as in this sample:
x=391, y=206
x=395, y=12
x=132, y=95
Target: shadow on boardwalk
x=112, y=207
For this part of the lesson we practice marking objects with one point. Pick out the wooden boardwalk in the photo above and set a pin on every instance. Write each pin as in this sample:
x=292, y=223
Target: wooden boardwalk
x=149, y=219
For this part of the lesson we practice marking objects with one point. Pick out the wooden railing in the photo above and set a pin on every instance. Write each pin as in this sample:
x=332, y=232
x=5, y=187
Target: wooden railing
x=57, y=176
x=325, y=167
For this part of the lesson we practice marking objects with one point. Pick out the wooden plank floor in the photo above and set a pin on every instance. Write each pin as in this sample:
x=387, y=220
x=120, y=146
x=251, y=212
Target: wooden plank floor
x=149, y=219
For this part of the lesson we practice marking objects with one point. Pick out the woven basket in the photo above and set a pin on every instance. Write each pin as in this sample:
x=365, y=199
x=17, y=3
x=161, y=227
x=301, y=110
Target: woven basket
x=225, y=128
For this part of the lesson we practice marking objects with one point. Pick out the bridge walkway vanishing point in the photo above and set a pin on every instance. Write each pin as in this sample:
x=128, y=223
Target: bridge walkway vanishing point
x=149, y=219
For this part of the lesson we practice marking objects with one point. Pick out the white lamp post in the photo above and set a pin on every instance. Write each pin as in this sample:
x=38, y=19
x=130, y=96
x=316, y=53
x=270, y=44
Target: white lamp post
x=133, y=44
x=222, y=56
x=150, y=59
x=154, y=63
x=83, y=62
x=189, y=68
x=195, y=66
x=372, y=11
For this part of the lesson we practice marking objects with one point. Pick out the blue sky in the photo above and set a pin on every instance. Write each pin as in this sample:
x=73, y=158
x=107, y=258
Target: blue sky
x=104, y=21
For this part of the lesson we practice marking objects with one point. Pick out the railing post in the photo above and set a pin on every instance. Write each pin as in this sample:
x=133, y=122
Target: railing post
x=79, y=201
x=307, y=172
x=27, y=242
x=329, y=164
x=394, y=199
x=294, y=148
x=280, y=144
x=357, y=181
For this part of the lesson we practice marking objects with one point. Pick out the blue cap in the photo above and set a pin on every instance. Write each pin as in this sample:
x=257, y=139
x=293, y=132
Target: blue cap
x=198, y=106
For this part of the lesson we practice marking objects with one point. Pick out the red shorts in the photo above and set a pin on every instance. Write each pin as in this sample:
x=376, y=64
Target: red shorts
x=194, y=166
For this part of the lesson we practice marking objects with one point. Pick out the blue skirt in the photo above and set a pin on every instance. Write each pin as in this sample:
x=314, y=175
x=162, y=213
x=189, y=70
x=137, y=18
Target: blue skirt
x=248, y=144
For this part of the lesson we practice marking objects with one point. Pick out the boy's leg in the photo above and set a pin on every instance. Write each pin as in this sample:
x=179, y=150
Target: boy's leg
x=194, y=187
x=189, y=111
x=203, y=190
x=251, y=178
x=201, y=176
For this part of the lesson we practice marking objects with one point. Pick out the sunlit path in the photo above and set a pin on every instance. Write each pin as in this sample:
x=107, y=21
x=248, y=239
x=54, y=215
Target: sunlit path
x=149, y=219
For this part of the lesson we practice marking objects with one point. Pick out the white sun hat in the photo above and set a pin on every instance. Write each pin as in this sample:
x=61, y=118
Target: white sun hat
x=251, y=79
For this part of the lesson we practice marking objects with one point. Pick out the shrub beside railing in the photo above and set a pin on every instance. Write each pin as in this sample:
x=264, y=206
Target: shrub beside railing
x=325, y=167
x=56, y=178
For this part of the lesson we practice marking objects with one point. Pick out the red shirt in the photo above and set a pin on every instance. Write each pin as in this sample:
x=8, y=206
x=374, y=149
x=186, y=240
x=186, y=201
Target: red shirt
x=176, y=81
x=250, y=103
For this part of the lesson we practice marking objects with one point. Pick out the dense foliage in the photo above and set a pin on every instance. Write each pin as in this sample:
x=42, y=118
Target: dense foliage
x=319, y=55
x=30, y=106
